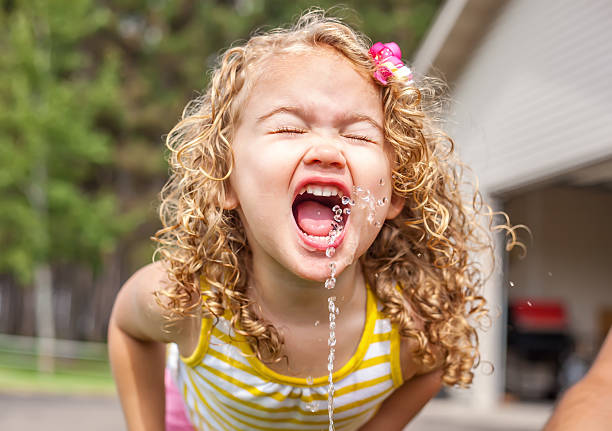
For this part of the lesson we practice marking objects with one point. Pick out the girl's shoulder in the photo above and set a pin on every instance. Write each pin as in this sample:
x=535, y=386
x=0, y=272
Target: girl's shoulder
x=144, y=292
x=410, y=364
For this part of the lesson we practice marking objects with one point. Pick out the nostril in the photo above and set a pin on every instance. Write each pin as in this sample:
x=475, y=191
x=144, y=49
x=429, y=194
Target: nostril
x=326, y=155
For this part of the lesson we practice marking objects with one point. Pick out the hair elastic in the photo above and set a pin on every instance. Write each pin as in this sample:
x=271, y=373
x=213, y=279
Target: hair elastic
x=387, y=57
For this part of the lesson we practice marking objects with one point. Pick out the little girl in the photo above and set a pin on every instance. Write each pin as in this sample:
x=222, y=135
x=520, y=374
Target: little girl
x=296, y=125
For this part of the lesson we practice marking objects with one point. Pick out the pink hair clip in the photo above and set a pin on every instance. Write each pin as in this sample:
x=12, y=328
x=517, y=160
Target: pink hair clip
x=388, y=61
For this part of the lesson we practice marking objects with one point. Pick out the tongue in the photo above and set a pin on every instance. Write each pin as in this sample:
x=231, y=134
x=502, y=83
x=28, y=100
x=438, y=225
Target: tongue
x=314, y=218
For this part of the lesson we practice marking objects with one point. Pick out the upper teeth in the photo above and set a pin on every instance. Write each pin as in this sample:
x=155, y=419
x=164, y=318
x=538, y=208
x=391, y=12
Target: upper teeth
x=321, y=190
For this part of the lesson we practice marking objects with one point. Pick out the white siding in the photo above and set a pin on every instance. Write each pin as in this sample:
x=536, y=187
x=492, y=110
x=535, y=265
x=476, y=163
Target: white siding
x=535, y=99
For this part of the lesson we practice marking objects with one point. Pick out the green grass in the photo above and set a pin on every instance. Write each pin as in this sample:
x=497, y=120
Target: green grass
x=12, y=380
x=87, y=373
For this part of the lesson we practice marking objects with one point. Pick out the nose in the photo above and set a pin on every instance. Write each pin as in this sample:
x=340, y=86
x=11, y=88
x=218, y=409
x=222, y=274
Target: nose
x=325, y=155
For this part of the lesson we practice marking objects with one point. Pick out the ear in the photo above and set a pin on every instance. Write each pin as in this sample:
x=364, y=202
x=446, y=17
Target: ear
x=396, y=206
x=231, y=199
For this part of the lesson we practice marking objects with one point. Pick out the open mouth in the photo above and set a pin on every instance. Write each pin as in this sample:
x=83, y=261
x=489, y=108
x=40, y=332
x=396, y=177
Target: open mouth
x=314, y=210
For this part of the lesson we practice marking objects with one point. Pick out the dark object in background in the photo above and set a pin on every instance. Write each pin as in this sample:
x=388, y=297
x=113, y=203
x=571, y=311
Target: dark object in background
x=538, y=345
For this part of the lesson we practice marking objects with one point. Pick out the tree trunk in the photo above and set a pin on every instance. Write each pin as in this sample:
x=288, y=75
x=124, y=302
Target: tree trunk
x=45, y=322
x=43, y=279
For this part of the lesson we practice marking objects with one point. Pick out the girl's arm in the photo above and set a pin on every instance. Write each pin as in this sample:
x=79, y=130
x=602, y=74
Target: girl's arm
x=588, y=404
x=404, y=404
x=136, y=341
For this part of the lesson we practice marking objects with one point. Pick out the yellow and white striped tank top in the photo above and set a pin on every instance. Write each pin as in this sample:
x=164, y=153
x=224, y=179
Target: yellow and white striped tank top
x=225, y=387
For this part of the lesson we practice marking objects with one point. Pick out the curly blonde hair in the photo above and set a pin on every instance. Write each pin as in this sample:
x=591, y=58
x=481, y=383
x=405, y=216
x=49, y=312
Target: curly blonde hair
x=429, y=251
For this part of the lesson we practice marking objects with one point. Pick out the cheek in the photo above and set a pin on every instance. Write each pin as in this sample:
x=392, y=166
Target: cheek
x=375, y=166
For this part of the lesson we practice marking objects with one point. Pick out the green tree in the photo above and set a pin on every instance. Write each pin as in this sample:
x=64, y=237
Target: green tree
x=53, y=94
x=88, y=89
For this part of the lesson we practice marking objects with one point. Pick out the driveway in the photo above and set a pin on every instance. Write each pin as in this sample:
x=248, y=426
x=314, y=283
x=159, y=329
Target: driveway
x=21, y=412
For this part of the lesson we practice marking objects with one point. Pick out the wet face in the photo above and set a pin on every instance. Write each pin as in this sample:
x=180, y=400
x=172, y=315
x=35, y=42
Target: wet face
x=310, y=131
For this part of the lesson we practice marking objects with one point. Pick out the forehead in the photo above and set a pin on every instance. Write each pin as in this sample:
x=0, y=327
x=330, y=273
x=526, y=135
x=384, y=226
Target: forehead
x=319, y=80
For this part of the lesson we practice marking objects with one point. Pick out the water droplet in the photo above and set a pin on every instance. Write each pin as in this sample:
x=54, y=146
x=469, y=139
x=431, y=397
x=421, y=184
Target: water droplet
x=511, y=283
x=370, y=218
x=377, y=224
x=419, y=255
x=381, y=202
x=309, y=380
x=329, y=252
x=330, y=283
x=486, y=368
x=338, y=218
x=359, y=189
x=345, y=200
x=376, y=275
x=332, y=325
x=330, y=304
x=381, y=182
x=312, y=406
x=317, y=323
x=549, y=274
x=347, y=211
x=337, y=310
x=529, y=303
x=336, y=208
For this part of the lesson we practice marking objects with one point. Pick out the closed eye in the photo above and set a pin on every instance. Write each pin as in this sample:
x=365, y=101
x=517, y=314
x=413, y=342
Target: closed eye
x=288, y=130
x=360, y=138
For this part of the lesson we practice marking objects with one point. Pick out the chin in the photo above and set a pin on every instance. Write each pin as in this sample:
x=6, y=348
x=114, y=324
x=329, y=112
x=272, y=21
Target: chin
x=315, y=269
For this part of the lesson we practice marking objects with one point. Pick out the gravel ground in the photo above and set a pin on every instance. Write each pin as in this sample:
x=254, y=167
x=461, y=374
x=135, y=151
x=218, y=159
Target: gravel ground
x=22, y=412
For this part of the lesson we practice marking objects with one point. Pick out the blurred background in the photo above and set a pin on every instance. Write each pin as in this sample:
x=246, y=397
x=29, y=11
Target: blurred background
x=89, y=88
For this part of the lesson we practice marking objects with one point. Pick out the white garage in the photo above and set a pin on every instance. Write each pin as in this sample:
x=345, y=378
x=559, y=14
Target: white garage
x=532, y=114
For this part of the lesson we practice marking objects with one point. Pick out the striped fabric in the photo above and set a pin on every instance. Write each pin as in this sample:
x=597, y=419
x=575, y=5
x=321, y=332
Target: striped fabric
x=226, y=388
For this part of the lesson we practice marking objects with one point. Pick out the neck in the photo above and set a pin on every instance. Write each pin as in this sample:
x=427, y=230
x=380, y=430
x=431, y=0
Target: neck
x=288, y=300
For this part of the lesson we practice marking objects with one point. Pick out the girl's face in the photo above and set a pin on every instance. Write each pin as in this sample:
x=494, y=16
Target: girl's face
x=310, y=130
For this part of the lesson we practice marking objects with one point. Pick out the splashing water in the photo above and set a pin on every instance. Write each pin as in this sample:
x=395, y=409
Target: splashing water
x=331, y=342
x=362, y=199
x=312, y=406
x=330, y=283
x=365, y=200
x=487, y=368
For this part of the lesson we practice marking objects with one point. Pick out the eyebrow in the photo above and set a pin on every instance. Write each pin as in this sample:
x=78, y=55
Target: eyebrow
x=350, y=118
